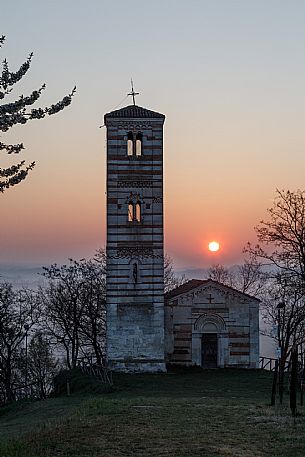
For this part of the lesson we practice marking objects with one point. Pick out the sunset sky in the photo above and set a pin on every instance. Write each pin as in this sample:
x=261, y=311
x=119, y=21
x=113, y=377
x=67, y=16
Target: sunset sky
x=228, y=74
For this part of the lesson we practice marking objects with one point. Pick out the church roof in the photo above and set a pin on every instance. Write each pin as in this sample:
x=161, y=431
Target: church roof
x=184, y=288
x=134, y=111
x=195, y=283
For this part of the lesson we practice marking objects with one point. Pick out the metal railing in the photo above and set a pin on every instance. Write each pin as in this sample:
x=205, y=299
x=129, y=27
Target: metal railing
x=97, y=371
x=268, y=363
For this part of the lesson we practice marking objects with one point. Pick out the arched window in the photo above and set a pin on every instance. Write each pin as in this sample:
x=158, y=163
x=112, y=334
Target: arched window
x=139, y=144
x=138, y=211
x=135, y=273
x=130, y=144
x=130, y=212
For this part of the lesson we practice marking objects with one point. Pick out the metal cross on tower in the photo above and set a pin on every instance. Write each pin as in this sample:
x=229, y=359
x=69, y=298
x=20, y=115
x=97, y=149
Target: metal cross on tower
x=133, y=93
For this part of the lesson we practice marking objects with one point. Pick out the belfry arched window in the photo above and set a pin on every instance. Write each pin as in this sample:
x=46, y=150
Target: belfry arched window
x=134, y=144
x=130, y=144
x=138, y=211
x=134, y=211
x=130, y=212
x=139, y=144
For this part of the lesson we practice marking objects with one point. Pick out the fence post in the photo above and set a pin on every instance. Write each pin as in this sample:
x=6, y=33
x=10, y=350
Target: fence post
x=281, y=379
x=293, y=382
x=274, y=382
x=68, y=385
x=302, y=387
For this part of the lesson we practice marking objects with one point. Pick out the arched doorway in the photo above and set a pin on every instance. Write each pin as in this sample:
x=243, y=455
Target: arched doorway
x=209, y=350
x=209, y=341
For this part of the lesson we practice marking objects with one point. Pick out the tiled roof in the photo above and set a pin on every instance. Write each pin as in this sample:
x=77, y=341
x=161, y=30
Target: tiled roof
x=184, y=288
x=194, y=283
x=134, y=111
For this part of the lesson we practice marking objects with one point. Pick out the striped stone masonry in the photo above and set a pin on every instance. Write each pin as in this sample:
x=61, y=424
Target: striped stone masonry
x=135, y=273
x=211, y=325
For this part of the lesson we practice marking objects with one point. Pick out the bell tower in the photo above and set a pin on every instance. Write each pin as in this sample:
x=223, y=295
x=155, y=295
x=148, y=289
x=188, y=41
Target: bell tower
x=135, y=272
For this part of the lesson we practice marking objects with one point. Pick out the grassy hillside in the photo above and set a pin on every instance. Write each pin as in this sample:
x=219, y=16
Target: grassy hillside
x=200, y=413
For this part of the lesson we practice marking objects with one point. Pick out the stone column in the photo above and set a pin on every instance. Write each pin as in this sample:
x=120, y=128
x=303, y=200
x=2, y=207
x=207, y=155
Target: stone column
x=223, y=349
x=254, y=334
x=196, y=348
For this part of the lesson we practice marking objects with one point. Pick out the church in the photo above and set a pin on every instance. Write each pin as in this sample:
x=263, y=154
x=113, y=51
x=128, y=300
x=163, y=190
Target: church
x=201, y=323
x=211, y=325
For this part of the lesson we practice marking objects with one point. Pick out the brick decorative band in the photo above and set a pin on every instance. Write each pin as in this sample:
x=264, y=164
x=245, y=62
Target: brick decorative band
x=134, y=251
x=135, y=183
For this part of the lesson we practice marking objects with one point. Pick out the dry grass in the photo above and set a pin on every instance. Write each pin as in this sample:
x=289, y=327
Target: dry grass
x=206, y=413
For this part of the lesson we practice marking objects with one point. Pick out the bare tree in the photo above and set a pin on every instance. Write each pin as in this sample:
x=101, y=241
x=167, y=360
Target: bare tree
x=16, y=112
x=220, y=274
x=284, y=310
x=63, y=308
x=171, y=279
x=74, y=307
x=41, y=366
x=281, y=247
x=248, y=278
x=101, y=258
x=19, y=312
x=93, y=323
x=282, y=237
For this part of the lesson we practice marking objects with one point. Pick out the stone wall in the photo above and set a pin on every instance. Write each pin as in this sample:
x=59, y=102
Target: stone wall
x=213, y=308
x=135, y=308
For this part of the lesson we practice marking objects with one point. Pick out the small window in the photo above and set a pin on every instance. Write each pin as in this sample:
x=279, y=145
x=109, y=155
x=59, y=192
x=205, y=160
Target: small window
x=130, y=144
x=130, y=212
x=135, y=273
x=138, y=212
x=139, y=144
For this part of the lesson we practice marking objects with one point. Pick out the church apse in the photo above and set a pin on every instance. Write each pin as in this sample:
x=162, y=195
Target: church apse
x=135, y=273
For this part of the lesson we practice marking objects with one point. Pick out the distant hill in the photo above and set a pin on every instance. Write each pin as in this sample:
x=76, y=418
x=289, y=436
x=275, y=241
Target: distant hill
x=21, y=275
x=193, y=273
x=30, y=276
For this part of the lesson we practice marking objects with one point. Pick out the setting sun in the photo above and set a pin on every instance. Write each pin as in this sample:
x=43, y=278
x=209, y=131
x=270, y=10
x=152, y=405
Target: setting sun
x=213, y=246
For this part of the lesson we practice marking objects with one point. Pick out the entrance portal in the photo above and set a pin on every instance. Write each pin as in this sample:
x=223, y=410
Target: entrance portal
x=209, y=350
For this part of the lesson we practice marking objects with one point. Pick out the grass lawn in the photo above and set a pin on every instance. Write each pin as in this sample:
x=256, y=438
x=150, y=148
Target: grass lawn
x=188, y=414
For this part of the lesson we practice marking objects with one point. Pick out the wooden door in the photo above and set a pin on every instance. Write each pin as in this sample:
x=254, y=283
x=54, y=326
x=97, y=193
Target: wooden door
x=209, y=350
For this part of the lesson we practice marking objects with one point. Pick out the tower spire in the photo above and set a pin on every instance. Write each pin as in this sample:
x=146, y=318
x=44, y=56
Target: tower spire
x=133, y=93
